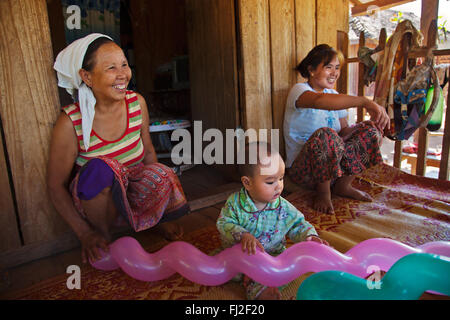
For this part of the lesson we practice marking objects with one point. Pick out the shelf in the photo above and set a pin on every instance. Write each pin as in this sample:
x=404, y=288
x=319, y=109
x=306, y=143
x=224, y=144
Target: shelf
x=169, y=125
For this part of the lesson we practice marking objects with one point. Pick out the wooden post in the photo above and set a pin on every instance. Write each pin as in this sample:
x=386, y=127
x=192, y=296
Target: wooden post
x=342, y=45
x=332, y=15
x=29, y=106
x=9, y=235
x=423, y=132
x=255, y=79
x=282, y=23
x=305, y=29
x=445, y=156
x=398, y=154
x=361, y=111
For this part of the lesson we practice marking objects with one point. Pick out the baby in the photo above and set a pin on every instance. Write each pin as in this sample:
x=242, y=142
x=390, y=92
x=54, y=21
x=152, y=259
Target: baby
x=258, y=217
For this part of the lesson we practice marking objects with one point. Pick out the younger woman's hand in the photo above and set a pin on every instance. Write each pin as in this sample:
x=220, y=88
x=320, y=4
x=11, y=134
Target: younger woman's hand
x=249, y=243
x=378, y=115
x=317, y=239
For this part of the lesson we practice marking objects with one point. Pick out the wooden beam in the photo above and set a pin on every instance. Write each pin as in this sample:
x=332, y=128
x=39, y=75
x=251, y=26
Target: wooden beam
x=364, y=8
x=361, y=111
x=422, y=52
x=254, y=72
x=398, y=154
x=29, y=106
x=444, y=168
x=342, y=45
x=9, y=235
x=305, y=30
x=423, y=132
x=283, y=60
x=332, y=16
x=355, y=2
x=429, y=12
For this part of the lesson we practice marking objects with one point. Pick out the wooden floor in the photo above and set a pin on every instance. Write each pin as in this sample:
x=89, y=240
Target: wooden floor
x=204, y=187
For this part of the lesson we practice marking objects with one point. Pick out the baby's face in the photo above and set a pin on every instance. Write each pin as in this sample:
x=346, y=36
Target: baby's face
x=267, y=183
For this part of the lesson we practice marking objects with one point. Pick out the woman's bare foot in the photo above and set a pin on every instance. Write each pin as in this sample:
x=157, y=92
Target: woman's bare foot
x=352, y=193
x=270, y=293
x=343, y=188
x=322, y=202
x=171, y=231
x=322, y=199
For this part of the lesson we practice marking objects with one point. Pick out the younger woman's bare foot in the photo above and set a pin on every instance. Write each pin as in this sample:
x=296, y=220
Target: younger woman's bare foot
x=352, y=193
x=270, y=293
x=322, y=202
x=171, y=231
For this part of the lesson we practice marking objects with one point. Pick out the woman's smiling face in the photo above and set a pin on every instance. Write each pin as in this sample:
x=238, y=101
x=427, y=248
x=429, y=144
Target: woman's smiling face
x=325, y=76
x=111, y=73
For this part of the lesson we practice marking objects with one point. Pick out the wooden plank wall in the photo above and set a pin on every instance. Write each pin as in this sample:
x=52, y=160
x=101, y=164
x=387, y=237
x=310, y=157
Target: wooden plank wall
x=283, y=58
x=305, y=30
x=9, y=235
x=29, y=106
x=255, y=72
x=332, y=15
x=275, y=35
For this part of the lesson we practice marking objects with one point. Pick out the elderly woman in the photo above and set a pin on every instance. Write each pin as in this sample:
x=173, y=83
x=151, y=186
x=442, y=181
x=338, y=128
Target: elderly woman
x=323, y=152
x=102, y=165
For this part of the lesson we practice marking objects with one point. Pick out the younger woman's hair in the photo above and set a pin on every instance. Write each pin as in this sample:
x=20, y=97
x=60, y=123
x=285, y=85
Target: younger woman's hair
x=89, y=56
x=320, y=53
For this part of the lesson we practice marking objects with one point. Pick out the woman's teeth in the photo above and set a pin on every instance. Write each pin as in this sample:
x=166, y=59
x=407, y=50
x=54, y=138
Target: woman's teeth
x=120, y=87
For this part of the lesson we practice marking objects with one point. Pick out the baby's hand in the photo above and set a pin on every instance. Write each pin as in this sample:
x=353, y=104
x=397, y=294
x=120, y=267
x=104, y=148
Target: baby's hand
x=249, y=243
x=317, y=239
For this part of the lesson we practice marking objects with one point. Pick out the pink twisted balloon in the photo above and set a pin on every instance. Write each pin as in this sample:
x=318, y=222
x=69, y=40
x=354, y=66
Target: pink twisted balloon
x=300, y=258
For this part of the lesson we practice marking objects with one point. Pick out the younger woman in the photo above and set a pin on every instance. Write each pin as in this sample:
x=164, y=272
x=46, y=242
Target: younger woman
x=322, y=151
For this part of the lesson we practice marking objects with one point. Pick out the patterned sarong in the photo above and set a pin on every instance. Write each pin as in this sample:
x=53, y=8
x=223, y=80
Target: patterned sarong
x=326, y=156
x=143, y=194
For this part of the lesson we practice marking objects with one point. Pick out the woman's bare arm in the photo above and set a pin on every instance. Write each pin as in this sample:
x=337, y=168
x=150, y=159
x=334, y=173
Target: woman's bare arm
x=330, y=101
x=63, y=153
x=150, y=154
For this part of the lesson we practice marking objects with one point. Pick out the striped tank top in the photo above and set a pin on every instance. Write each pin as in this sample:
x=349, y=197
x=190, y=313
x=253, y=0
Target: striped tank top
x=128, y=149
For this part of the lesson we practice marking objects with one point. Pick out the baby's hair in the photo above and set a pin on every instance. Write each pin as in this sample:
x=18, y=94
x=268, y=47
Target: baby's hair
x=320, y=53
x=249, y=167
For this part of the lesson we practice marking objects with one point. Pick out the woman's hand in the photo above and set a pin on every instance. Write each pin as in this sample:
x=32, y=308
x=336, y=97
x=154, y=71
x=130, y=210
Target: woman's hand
x=378, y=115
x=91, y=242
x=317, y=239
x=249, y=243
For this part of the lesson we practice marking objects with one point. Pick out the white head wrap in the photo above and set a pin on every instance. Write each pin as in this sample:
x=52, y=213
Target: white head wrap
x=68, y=63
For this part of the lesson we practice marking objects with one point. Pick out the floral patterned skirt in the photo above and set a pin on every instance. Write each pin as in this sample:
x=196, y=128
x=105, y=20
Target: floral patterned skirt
x=326, y=156
x=144, y=195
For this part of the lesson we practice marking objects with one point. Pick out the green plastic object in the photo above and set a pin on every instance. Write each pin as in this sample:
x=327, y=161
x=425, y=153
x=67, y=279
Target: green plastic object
x=436, y=119
x=407, y=279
